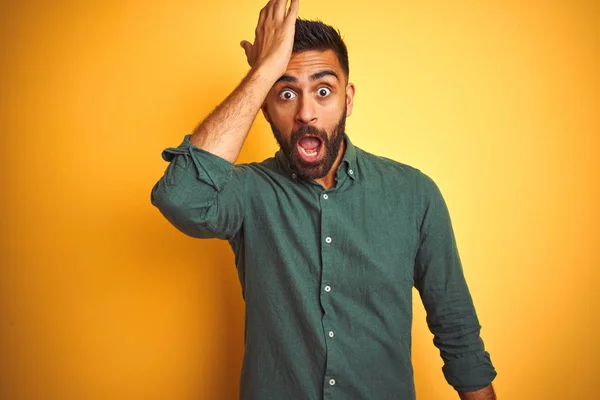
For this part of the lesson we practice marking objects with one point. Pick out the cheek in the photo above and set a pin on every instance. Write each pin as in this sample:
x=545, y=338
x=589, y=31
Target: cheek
x=283, y=124
x=284, y=111
x=281, y=117
x=333, y=112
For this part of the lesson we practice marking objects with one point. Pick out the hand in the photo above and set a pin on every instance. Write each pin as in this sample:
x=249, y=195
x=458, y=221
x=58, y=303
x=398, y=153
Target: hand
x=274, y=36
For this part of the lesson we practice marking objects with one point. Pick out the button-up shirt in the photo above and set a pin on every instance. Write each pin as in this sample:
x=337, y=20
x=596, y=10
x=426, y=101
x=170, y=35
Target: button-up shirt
x=327, y=274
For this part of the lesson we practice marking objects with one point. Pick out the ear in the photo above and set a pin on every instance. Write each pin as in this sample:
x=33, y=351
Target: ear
x=265, y=111
x=350, y=90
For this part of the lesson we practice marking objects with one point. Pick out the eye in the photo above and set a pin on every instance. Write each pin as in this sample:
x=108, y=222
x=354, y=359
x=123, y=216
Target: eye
x=287, y=95
x=324, y=92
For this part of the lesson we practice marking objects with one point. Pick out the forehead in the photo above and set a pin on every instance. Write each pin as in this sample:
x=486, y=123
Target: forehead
x=306, y=63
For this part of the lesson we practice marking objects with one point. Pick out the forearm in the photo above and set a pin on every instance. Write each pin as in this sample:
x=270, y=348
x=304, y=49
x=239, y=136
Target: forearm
x=487, y=393
x=224, y=131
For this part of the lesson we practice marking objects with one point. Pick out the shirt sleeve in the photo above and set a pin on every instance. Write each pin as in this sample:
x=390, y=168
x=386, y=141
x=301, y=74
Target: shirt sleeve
x=200, y=193
x=439, y=278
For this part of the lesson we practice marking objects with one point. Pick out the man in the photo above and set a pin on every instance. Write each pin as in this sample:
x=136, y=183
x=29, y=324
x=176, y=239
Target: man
x=328, y=239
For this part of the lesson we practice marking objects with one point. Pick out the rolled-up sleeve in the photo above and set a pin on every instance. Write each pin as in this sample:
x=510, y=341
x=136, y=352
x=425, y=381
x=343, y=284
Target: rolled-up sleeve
x=200, y=193
x=440, y=280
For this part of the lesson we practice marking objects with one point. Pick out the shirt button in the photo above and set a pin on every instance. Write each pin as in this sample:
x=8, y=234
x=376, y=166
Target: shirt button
x=328, y=288
x=328, y=239
x=293, y=176
x=331, y=334
x=325, y=196
x=332, y=382
x=351, y=172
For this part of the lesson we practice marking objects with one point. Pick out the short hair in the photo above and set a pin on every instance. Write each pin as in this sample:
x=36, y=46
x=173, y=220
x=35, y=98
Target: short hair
x=315, y=35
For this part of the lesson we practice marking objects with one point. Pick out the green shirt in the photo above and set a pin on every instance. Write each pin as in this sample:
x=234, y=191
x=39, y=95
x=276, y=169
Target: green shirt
x=327, y=275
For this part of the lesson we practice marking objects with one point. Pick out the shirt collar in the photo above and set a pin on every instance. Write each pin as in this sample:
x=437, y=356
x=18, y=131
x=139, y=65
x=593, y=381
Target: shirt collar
x=348, y=165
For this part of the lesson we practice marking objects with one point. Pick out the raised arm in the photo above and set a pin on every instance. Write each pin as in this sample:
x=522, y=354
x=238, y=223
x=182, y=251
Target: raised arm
x=201, y=193
x=224, y=131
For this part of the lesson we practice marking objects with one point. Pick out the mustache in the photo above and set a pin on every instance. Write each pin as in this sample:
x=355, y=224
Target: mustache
x=308, y=130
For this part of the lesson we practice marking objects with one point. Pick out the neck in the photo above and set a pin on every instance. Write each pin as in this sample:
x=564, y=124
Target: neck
x=328, y=181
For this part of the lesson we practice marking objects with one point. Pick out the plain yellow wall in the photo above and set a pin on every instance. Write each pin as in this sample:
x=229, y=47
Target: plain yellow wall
x=102, y=299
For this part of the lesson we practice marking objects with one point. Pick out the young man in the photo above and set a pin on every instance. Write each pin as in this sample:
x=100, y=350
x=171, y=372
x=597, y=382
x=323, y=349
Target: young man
x=328, y=239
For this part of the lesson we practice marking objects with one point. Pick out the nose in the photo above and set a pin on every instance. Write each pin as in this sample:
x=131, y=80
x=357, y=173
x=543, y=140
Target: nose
x=306, y=112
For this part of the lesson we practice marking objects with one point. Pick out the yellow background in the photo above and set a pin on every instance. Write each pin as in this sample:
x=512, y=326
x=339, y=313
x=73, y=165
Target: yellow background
x=101, y=298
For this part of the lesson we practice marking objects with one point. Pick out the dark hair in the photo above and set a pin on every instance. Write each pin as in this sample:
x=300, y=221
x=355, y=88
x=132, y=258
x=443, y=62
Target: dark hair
x=315, y=35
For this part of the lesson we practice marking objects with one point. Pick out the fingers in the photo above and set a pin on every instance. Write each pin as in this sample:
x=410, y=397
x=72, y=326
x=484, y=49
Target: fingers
x=246, y=46
x=279, y=9
x=263, y=14
x=274, y=34
x=248, y=50
x=276, y=9
x=269, y=9
x=293, y=11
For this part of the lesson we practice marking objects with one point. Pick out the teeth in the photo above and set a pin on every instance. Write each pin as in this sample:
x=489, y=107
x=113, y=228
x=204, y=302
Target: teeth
x=308, y=152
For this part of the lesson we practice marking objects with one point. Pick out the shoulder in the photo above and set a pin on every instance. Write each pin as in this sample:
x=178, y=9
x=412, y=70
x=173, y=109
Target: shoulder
x=395, y=174
x=255, y=173
x=379, y=165
x=254, y=167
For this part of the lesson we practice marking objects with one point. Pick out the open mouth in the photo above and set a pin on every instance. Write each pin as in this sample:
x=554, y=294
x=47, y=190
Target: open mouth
x=310, y=148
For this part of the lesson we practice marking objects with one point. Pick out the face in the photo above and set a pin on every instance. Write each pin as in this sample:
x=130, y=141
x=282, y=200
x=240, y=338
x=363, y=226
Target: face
x=307, y=109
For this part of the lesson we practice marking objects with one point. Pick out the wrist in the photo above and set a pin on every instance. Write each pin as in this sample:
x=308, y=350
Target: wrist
x=486, y=393
x=268, y=71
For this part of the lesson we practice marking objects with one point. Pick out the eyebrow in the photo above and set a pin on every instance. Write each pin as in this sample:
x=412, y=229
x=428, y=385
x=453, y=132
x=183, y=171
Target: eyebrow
x=313, y=77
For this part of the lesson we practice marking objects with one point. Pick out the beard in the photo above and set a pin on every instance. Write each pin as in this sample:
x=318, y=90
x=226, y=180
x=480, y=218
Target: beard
x=330, y=145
